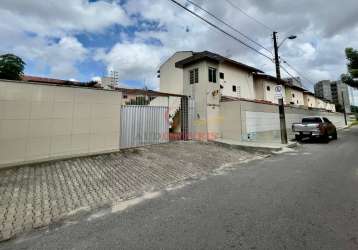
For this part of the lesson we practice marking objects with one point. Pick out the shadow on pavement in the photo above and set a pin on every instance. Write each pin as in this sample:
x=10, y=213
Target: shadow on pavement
x=315, y=141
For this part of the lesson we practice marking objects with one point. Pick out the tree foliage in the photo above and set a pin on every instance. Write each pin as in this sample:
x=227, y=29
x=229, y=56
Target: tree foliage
x=350, y=78
x=352, y=56
x=11, y=67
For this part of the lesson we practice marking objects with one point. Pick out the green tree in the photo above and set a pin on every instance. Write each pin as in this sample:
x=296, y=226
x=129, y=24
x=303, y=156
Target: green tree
x=350, y=78
x=11, y=67
x=352, y=57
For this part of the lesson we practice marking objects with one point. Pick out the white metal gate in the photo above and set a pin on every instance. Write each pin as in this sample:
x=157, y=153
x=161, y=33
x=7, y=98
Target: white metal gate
x=144, y=125
x=191, y=118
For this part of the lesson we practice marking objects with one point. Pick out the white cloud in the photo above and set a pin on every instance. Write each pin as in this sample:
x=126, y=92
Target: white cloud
x=53, y=17
x=43, y=31
x=318, y=52
x=134, y=61
x=97, y=79
x=61, y=56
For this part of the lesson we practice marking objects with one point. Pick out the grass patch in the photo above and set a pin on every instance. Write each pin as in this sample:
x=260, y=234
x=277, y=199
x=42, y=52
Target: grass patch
x=355, y=123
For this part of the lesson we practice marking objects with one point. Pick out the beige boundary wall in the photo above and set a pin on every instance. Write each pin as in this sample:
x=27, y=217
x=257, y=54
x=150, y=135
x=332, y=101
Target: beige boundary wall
x=251, y=121
x=44, y=122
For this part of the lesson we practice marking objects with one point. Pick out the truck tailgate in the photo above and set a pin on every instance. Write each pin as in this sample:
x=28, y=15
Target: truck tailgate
x=305, y=127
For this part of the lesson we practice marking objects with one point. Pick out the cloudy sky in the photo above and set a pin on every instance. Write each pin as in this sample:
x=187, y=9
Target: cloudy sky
x=80, y=39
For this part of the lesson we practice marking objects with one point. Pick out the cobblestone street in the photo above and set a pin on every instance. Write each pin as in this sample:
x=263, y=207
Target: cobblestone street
x=37, y=195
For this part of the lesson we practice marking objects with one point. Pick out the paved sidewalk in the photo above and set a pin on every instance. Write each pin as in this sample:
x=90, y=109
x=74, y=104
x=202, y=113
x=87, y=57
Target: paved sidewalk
x=37, y=195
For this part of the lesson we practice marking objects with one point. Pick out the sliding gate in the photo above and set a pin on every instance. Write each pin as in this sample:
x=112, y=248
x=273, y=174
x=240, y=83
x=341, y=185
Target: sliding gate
x=144, y=125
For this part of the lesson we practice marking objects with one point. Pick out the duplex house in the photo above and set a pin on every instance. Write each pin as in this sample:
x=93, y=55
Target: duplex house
x=232, y=78
x=206, y=78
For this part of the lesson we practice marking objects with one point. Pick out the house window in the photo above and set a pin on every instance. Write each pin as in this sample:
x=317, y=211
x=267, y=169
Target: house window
x=212, y=75
x=234, y=88
x=268, y=88
x=293, y=95
x=125, y=96
x=194, y=76
x=222, y=75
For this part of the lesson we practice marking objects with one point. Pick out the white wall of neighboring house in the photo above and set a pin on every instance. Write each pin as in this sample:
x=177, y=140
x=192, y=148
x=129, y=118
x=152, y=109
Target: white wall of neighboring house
x=234, y=76
x=331, y=107
x=259, y=89
x=294, y=97
x=321, y=104
x=270, y=93
x=42, y=122
x=309, y=101
x=171, y=78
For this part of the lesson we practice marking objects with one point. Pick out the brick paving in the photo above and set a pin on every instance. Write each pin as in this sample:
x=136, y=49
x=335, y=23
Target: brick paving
x=35, y=196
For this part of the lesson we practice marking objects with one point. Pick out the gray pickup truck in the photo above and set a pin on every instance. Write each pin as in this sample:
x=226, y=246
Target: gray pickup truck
x=315, y=127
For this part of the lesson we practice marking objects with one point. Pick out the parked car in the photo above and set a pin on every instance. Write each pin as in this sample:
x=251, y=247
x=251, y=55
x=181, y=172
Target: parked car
x=315, y=127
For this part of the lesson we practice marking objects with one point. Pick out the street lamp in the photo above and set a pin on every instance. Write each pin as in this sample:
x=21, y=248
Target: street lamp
x=278, y=75
x=287, y=38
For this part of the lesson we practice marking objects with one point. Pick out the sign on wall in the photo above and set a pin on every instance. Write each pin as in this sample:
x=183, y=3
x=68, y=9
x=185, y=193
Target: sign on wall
x=279, y=92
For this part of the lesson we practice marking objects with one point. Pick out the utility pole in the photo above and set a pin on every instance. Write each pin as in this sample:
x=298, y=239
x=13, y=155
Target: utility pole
x=281, y=104
x=344, y=109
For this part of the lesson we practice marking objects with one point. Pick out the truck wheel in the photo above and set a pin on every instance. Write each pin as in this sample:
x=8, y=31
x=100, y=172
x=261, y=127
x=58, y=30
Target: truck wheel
x=298, y=138
x=325, y=138
x=335, y=136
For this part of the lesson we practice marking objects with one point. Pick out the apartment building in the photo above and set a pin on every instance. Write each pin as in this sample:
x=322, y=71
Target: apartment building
x=334, y=91
x=207, y=77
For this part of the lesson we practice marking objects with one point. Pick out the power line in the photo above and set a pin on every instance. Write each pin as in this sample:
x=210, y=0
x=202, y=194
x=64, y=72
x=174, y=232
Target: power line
x=271, y=29
x=220, y=29
x=228, y=25
x=249, y=16
x=234, y=37
x=293, y=77
x=298, y=72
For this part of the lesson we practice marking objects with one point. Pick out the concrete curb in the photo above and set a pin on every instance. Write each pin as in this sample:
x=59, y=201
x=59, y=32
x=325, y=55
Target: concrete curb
x=254, y=148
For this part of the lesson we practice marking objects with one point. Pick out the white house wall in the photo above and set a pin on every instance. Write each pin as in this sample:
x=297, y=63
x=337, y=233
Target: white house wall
x=171, y=78
x=198, y=92
x=295, y=97
x=269, y=92
x=235, y=76
x=309, y=101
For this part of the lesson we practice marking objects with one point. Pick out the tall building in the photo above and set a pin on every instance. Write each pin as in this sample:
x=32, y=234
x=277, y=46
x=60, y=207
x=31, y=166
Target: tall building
x=334, y=91
x=323, y=90
x=353, y=96
x=111, y=81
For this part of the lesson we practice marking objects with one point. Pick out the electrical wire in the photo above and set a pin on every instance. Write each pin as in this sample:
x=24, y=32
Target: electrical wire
x=288, y=73
x=249, y=16
x=299, y=73
x=228, y=25
x=220, y=29
x=237, y=39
